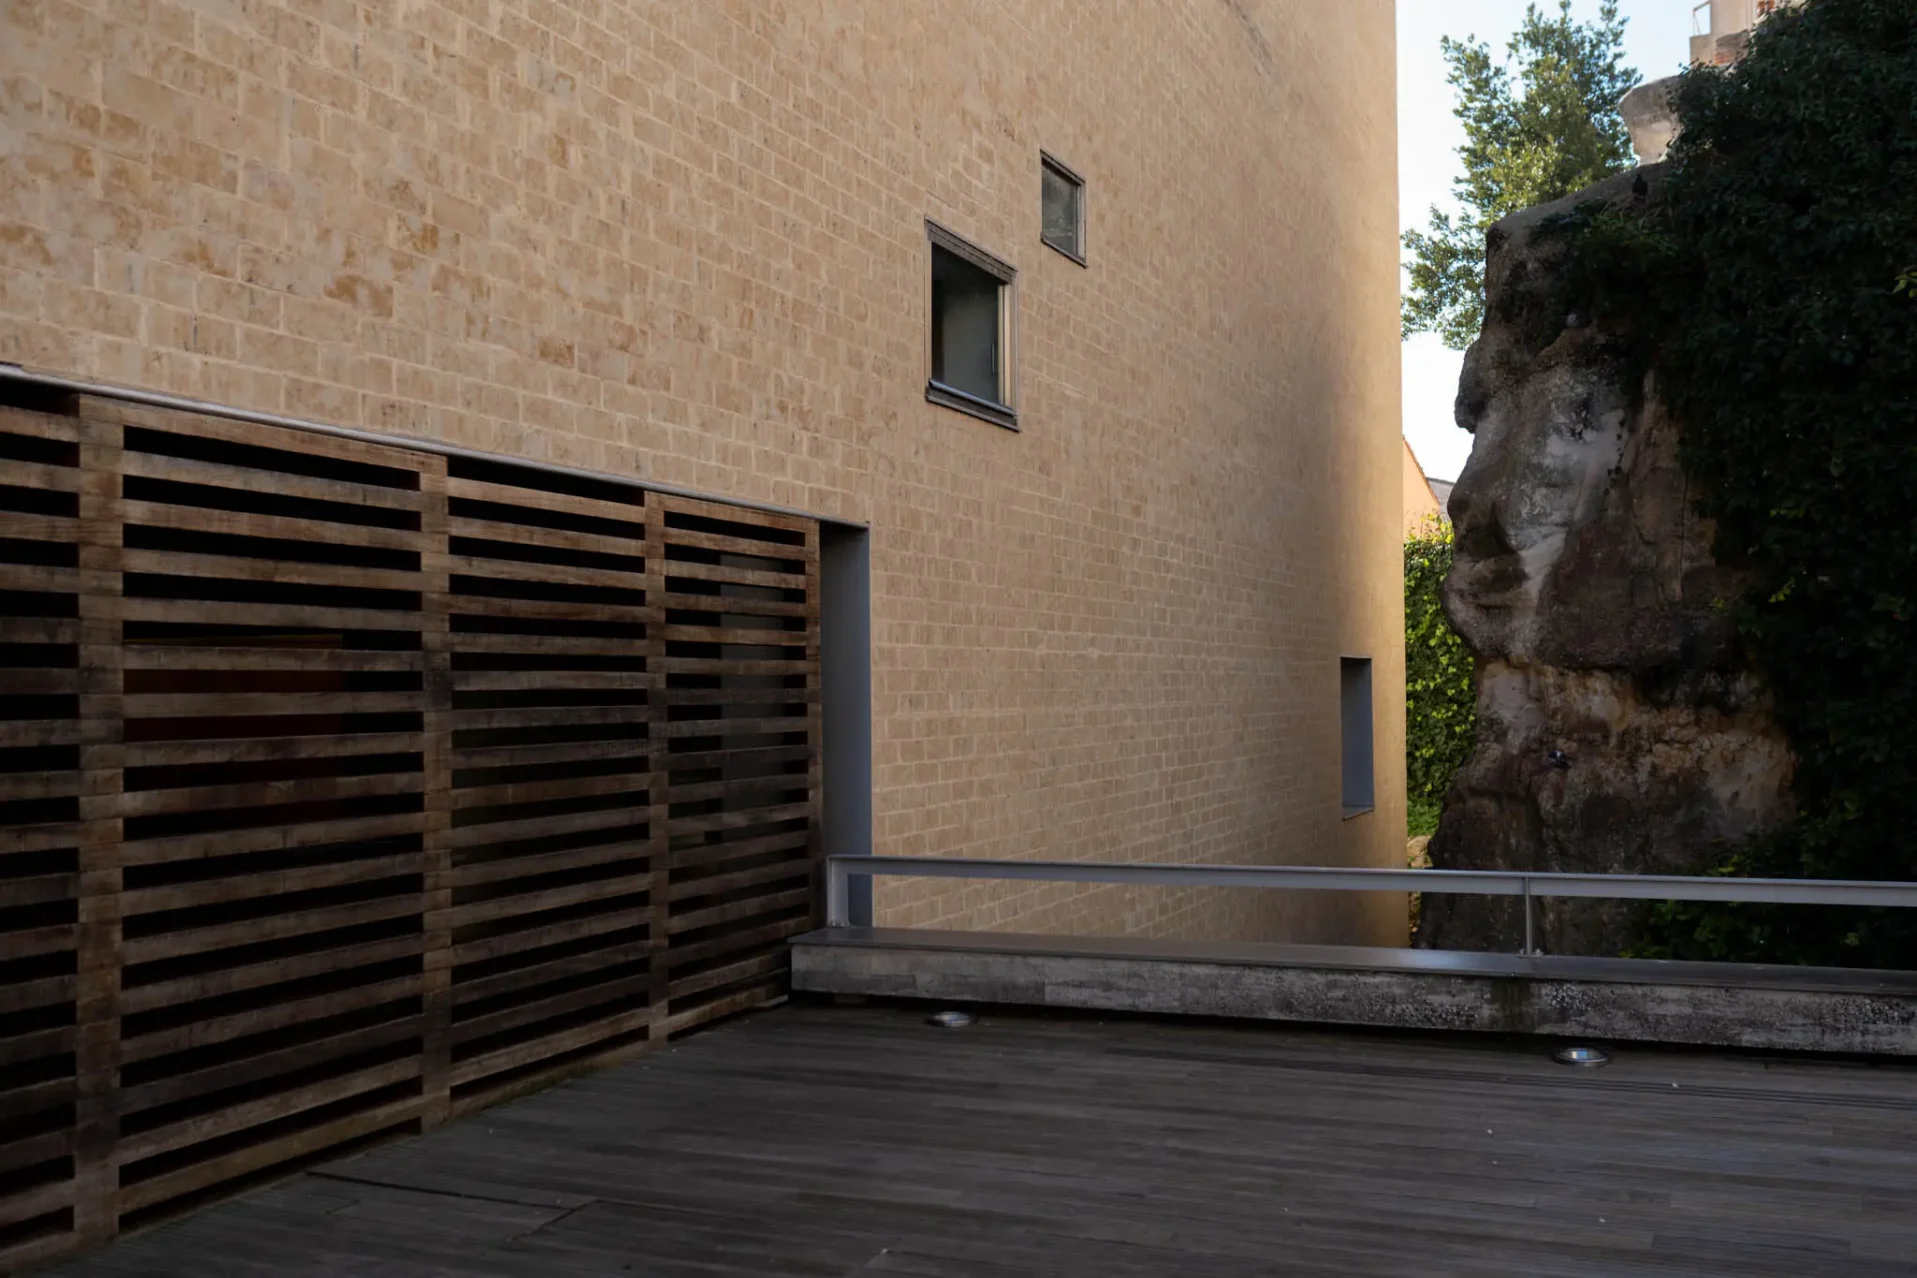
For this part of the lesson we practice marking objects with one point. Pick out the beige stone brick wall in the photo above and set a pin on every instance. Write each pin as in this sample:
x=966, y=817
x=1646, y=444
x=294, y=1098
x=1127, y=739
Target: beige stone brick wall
x=684, y=240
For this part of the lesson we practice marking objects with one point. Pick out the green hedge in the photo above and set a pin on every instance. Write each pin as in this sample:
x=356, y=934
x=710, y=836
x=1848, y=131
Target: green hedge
x=1765, y=285
x=1440, y=710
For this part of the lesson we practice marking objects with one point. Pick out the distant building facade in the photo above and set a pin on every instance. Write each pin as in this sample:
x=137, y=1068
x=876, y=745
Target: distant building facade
x=1423, y=504
x=1722, y=28
x=1721, y=32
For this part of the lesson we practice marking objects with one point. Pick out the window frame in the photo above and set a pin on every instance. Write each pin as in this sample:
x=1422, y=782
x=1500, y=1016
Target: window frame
x=1357, y=738
x=1047, y=162
x=1005, y=412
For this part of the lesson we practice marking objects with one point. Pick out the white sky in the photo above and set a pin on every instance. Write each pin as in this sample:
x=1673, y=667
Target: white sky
x=1656, y=42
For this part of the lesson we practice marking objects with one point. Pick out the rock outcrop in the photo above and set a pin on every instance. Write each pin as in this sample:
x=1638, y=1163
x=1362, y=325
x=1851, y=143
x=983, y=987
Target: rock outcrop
x=1619, y=728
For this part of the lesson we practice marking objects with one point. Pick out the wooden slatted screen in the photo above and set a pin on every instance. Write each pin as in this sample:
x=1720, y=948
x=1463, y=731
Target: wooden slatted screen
x=41, y=833
x=345, y=788
x=272, y=906
x=741, y=700
x=551, y=614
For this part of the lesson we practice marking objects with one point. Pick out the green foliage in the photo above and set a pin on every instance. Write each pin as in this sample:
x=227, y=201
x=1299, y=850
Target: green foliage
x=1439, y=682
x=1539, y=125
x=1762, y=285
x=1421, y=817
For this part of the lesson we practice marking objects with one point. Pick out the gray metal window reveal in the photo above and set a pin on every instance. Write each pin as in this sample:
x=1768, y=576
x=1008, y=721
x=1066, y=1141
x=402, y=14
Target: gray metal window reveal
x=1354, y=704
x=971, y=330
x=1062, y=208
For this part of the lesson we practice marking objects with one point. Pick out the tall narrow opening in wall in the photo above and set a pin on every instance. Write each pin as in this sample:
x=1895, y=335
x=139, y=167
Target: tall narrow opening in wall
x=1354, y=705
x=971, y=330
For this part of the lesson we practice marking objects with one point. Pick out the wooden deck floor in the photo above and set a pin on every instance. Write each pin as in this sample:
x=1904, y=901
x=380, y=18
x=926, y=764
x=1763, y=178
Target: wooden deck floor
x=837, y=1142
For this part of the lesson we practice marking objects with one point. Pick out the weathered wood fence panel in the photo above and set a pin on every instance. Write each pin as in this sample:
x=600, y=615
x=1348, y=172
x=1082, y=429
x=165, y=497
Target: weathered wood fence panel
x=345, y=788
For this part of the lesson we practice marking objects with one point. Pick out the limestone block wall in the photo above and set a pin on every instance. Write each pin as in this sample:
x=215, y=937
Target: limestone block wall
x=685, y=240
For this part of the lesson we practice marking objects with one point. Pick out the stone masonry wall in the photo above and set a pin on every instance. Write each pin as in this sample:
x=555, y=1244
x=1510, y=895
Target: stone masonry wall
x=684, y=240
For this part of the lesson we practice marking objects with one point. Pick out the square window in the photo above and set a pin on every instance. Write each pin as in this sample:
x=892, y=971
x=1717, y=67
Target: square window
x=1062, y=209
x=971, y=330
x=1354, y=705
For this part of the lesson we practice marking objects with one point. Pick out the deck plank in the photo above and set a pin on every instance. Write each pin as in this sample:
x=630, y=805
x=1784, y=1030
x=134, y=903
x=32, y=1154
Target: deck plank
x=858, y=1141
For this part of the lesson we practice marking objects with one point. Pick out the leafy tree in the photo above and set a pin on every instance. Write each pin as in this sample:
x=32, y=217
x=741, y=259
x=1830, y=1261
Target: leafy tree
x=1761, y=285
x=1538, y=126
x=1439, y=681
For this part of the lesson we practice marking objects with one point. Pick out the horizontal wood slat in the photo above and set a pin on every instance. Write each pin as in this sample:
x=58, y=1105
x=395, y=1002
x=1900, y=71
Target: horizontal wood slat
x=47, y=991
x=546, y=574
x=276, y=483
x=289, y=616
x=551, y=681
x=171, y=1136
x=732, y=605
x=395, y=1034
x=211, y=1030
x=542, y=936
x=150, y=656
x=461, y=488
x=200, y=1176
x=804, y=553
x=633, y=751
x=38, y=578
x=27, y=421
x=547, y=609
x=394, y=459
x=573, y=716
x=40, y=477
x=306, y=834
x=30, y=1150
x=474, y=873
x=548, y=790
x=531, y=827
x=582, y=995
x=254, y=884
x=37, y=1201
x=228, y=705
x=39, y=837
x=39, y=629
x=293, y=572
x=268, y=793
x=220, y=936
x=548, y=971
x=38, y=785
x=270, y=749
x=19, y=526
x=506, y=1058
x=741, y=636
x=551, y=645
x=16, y=733
x=229, y=980
x=246, y=523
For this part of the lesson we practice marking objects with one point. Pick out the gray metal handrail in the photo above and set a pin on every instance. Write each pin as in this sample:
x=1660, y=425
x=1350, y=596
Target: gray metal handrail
x=1640, y=887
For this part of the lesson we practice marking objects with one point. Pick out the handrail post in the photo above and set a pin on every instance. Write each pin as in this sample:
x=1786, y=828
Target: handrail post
x=838, y=894
x=1530, y=927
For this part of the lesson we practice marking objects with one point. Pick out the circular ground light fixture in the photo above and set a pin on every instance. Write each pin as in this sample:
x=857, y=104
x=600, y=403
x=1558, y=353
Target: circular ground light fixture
x=950, y=1019
x=1588, y=1057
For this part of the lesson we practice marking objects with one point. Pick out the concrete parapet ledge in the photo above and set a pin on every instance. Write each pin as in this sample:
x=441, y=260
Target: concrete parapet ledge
x=1625, y=1000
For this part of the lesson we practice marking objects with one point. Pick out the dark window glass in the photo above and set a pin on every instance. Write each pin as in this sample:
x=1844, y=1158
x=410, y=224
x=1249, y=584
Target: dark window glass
x=965, y=326
x=1354, y=696
x=1063, y=212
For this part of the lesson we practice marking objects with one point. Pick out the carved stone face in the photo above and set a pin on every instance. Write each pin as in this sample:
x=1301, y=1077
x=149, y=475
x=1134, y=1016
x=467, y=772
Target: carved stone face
x=1550, y=430
x=1617, y=727
x=1578, y=544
